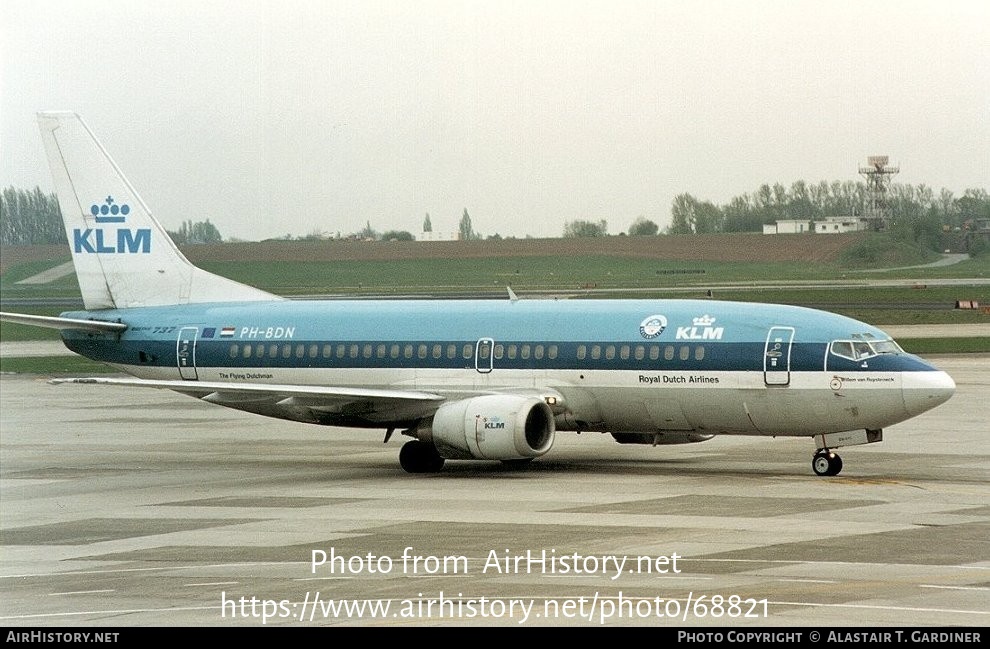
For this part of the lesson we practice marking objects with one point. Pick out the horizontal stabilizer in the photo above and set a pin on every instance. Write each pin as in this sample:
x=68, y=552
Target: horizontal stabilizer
x=100, y=326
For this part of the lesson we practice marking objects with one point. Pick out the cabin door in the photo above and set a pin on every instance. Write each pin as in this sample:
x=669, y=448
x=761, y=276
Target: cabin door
x=777, y=356
x=185, y=353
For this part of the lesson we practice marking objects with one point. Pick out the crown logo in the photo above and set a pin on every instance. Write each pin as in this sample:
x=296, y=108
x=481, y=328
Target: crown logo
x=704, y=321
x=109, y=212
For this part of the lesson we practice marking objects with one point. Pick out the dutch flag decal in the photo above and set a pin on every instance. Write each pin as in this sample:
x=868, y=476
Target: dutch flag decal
x=227, y=332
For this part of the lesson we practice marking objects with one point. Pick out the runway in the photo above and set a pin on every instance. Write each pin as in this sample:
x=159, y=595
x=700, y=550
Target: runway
x=130, y=507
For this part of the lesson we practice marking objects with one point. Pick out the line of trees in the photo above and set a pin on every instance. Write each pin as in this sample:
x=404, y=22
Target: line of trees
x=918, y=207
x=917, y=211
x=193, y=233
x=29, y=217
x=34, y=218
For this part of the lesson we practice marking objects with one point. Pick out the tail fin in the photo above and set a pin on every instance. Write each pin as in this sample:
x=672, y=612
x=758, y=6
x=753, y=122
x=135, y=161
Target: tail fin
x=122, y=255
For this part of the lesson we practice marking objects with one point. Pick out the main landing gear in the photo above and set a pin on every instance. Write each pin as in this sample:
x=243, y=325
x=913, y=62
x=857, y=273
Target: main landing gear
x=420, y=457
x=826, y=462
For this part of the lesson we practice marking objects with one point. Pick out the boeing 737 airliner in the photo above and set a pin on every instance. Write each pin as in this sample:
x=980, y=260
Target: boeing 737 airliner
x=467, y=379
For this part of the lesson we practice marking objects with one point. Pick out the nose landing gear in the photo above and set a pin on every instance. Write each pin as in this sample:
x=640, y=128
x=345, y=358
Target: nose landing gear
x=826, y=462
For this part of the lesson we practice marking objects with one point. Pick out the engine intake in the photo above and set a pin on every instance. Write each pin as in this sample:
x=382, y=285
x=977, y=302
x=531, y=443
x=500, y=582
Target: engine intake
x=491, y=427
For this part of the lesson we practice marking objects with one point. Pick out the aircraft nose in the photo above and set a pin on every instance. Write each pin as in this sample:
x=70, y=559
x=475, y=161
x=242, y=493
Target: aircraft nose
x=924, y=390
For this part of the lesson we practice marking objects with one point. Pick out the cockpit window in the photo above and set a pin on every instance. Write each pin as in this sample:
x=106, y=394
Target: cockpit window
x=856, y=350
x=862, y=350
x=843, y=348
x=887, y=347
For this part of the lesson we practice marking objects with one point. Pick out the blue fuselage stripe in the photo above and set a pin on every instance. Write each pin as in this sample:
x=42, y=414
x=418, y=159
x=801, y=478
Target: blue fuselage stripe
x=378, y=354
x=634, y=335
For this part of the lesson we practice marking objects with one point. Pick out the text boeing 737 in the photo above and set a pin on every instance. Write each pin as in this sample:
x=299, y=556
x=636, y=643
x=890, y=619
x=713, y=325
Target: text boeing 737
x=466, y=379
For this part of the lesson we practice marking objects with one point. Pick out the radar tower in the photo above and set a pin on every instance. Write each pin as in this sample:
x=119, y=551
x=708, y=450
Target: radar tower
x=878, y=174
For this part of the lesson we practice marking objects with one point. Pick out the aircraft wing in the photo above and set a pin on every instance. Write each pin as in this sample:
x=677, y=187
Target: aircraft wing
x=314, y=404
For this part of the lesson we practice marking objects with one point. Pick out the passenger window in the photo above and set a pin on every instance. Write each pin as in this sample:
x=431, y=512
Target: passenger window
x=538, y=352
x=286, y=351
x=452, y=351
x=247, y=351
x=499, y=350
x=313, y=350
x=582, y=352
x=393, y=351
x=699, y=353
x=437, y=351
x=654, y=352
x=234, y=351
x=421, y=351
x=524, y=351
x=668, y=353
x=468, y=350
x=685, y=353
x=640, y=352
x=610, y=352
x=366, y=351
x=552, y=352
x=407, y=351
x=327, y=351
x=624, y=352
x=300, y=351
x=380, y=351
x=341, y=351
x=596, y=352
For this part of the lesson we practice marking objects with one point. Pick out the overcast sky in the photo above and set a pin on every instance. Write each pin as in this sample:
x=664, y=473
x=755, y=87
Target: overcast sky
x=290, y=116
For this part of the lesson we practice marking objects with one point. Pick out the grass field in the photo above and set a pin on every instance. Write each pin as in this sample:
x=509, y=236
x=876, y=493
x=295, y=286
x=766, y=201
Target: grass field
x=640, y=267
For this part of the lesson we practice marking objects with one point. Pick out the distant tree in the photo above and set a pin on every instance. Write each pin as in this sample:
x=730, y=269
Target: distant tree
x=30, y=217
x=427, y=225
x=740, y=216
x=368, y=232
x=974, y=204
x=707, y=218
x=398, y=235
x=799, y=205
x=643, y=227
x=315, y=235
x=682, y=214
x=978, y=247
x=190, y=233
x=465, y=230
x=585, y=229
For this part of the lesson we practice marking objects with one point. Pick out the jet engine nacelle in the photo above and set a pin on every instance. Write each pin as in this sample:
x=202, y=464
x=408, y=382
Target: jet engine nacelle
x=656, y=439
x=491, y=427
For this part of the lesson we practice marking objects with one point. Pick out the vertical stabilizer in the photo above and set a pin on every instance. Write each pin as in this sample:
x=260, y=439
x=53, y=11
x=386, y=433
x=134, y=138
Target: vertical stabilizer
x=123, y=257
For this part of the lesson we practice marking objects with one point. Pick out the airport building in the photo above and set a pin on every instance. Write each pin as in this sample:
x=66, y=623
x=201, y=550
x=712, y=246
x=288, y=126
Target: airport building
x=788, y=226
x=828, y=225
x=838, y=224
